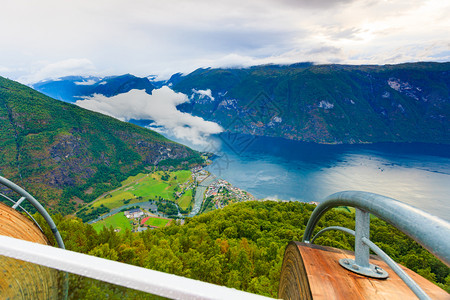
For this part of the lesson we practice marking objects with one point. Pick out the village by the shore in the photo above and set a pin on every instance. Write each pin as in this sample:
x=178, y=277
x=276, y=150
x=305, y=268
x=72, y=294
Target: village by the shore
x=220, y=192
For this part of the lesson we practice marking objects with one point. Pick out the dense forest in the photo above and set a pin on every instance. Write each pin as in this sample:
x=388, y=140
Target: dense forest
x=240, y=246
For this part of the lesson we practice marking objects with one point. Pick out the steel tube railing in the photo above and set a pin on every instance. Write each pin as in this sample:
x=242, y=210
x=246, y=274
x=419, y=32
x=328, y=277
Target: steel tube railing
x=23, y=209
x=36, y=205
x=429, y=231
x=396, y=268
x=389, y=261
x=344, y=229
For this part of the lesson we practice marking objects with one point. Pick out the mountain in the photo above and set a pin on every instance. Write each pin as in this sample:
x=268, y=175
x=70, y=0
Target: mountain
x=62, y=153
x=306, y=102
x=73, y=88
x=325, y=103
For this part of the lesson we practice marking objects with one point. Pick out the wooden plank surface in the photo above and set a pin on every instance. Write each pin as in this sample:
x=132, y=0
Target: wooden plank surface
x=328, y=280
x=16, y=225
x=19, y=279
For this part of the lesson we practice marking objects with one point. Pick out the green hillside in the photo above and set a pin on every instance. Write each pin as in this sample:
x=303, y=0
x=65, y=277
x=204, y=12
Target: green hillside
x=63, y=154
x=240, y=246
x=326, y=103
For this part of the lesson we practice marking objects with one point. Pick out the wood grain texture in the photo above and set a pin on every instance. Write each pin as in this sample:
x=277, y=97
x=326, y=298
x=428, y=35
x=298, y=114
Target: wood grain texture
x=293, y=280
x=19, y=279
x=328, y=280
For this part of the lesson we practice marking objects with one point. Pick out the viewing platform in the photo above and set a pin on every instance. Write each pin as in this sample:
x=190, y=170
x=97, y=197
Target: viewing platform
x=30, y=267
x=316, y=272
x=313, y=272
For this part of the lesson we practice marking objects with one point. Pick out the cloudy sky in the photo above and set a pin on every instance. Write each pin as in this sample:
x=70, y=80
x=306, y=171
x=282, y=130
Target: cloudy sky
x=51, y=38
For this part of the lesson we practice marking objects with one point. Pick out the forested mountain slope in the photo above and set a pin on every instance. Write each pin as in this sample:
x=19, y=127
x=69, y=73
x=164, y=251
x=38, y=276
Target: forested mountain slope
x=240, y=246
x=60, y=152
x=325, y=103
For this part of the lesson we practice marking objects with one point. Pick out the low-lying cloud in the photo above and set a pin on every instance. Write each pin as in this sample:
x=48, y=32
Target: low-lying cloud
x=203, y=93
x=160, y=107
x=87, y=82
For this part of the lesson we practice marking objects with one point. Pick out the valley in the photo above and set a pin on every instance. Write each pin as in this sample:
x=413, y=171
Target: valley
x=67, y=155
x=161, y=194
x=133, y=195
x=225, y=150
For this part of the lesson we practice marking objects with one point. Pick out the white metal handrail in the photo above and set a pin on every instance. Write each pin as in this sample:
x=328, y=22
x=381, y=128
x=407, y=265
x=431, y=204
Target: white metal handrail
x=146, y=280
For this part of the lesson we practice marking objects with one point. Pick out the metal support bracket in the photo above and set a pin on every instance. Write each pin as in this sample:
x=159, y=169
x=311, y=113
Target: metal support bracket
x=372, y=270
x=429, y=231
x=360, y=264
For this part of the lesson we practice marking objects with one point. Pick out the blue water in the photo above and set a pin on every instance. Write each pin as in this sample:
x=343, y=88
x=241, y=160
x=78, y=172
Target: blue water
x=417, y=174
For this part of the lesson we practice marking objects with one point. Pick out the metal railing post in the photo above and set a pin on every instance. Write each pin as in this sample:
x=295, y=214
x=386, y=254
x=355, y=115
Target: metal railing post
x=362, y=229
x=360, y=264
x=17, y=204
x=429, y=231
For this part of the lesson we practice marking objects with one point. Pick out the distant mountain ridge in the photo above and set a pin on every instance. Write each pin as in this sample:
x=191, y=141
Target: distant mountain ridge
x=63, y=153
x=73, y=88
x=306, y=102
x=326, y=103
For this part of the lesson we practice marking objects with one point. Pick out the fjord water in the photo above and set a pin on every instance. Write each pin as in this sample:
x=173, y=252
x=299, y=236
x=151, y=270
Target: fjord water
x=417, y=174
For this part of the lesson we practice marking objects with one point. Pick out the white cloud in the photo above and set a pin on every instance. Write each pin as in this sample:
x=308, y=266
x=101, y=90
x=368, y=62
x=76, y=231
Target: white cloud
x=160, y=107
x=87, y=82
x=203, y=93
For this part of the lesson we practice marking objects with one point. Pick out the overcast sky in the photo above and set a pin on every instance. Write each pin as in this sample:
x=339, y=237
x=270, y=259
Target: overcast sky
x=50, y=38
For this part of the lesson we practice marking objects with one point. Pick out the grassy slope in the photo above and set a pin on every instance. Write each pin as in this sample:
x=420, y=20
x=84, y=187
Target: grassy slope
x=144, y=187
x=185, y=200
x=116, y=221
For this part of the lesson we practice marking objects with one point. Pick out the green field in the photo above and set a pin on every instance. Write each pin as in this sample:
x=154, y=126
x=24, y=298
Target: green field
x=185, y=200
x=133, y=178
x=158, y=222
x=116, y=221
x=145, y=187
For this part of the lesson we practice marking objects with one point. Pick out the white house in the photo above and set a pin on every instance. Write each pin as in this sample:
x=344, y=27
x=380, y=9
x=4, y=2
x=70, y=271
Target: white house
x=133, y=213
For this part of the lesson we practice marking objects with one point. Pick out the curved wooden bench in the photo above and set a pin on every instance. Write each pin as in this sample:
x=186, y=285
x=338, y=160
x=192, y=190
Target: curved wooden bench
x=19, y=279
x=311, y=271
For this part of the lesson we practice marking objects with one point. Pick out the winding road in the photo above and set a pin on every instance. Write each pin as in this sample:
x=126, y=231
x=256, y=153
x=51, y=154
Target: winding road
x=199, y=192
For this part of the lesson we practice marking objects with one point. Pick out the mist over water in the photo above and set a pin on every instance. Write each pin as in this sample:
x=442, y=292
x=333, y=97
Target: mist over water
x=417, y=174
